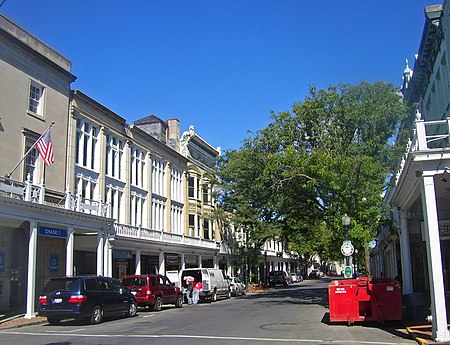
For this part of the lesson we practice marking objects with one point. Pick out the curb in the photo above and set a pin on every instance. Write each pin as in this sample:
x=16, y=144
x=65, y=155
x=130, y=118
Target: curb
x=414, y=336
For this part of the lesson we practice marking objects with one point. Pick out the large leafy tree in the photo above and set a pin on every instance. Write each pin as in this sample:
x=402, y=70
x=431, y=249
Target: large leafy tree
x=328, y=156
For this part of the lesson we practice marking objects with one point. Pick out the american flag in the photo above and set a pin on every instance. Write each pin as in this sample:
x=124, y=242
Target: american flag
x=45, y=148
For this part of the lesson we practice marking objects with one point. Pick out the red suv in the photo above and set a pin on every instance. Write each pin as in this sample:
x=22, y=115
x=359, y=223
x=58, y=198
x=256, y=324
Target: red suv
x=153, y=290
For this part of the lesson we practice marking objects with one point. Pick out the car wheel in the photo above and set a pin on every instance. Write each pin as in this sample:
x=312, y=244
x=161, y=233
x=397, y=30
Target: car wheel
x=96, y=315
x=158, y=304
x=132, y=311
x=228, y=294
x=179, y=302
x=53, y=322
x=214, y=296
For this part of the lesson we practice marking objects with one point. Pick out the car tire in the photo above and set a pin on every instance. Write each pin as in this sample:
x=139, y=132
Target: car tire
x=158, y=304
x=53, y=321
x=214, y=296
x=132, y=310
x=96, y=315
x=179, y=302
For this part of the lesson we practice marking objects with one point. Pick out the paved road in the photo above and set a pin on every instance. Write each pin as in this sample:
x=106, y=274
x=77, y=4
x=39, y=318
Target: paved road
x=296, y=314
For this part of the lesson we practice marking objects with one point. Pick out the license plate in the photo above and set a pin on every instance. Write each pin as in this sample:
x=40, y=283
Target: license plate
x=57, y=300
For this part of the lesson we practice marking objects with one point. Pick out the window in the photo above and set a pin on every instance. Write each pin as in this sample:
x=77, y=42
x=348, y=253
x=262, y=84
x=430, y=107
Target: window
x=192, y=181
x=206, y=198
x=114, y=197
x=137, y=209
x=158, y=213
x=158, y=176
x=36, y=99
x=114, y=156
x=206, y=229
x=192, y=225
x=176, y=184
x=137, y=168
x=86, y=144
x=177, y=219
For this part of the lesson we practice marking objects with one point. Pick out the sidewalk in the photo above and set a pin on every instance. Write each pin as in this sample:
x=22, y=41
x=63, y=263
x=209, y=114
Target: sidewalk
x=422, y=334
x=18, y=320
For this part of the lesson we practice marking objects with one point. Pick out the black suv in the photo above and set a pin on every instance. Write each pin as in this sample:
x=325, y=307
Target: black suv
x=278, y=278
x=85, y=297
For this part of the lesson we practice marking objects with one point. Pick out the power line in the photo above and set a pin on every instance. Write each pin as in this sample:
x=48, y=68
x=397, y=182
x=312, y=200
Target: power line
x=3, y=1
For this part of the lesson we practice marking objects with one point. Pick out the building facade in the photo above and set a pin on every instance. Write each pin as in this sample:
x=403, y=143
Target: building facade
x=416, y=248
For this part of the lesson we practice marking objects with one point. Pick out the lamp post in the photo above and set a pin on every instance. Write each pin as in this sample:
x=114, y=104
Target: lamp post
x=347, y=248
x=265, y=268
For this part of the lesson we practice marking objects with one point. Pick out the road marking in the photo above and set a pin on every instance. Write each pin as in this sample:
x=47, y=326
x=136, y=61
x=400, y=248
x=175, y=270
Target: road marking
x=210, y=337
x=72, y=331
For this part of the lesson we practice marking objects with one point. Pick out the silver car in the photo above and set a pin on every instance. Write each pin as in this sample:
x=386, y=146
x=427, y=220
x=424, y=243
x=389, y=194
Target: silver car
x=237, y=287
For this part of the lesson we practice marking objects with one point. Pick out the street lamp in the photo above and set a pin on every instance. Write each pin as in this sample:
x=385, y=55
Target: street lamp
x=346, y=224
x=347, y=248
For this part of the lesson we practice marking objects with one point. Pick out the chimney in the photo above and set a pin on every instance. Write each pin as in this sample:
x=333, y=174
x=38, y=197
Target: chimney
x=173, y=133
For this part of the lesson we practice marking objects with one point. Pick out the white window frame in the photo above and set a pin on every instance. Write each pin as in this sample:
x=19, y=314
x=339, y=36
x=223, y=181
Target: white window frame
x=36, y=98
x=159, y=177
x=114, y=156
x=86, y=144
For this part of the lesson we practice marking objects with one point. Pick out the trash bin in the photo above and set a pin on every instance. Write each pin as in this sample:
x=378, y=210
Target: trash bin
x=365, y=299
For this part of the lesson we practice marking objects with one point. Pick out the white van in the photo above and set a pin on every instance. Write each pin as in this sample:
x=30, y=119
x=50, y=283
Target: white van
x=214, y=282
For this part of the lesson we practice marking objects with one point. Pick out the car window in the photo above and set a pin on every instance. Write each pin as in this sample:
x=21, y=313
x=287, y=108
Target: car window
x=69, y=284
x=116, y=286
x=167, y=281
x=105, y=285
x=160, y=280
x=91, y=284
x=153, y=280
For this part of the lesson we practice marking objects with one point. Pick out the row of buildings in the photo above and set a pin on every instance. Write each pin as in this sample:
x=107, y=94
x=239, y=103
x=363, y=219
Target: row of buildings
x=119, y=198
x=416, y=247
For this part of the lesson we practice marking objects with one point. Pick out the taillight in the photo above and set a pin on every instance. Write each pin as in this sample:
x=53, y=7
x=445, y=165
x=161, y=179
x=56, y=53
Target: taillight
x=77, y=298
x=43, y=300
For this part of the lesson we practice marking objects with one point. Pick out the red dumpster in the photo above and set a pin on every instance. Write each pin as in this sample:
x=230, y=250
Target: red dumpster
x=364, y=299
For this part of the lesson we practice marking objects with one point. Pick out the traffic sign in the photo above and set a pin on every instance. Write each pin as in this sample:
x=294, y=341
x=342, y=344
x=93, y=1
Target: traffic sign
x=347, y=272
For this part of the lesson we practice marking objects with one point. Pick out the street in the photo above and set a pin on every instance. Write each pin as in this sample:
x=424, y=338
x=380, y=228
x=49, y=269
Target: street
x=296, y=314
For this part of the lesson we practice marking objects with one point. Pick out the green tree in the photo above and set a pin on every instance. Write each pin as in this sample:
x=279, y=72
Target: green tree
x=330, y=155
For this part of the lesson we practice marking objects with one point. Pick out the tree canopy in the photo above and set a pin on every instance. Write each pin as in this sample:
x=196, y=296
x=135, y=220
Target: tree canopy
x=330, y=155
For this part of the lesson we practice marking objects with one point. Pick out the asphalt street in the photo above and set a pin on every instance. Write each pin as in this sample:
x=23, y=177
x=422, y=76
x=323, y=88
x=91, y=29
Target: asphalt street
x=296, y=314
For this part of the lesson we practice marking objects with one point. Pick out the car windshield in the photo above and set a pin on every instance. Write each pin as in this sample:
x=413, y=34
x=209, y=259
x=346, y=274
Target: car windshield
x=134, y=281
x=68, y=284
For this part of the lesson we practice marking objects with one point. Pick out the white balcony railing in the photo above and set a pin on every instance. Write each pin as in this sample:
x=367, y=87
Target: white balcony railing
x=130, y=231
x=427, y=136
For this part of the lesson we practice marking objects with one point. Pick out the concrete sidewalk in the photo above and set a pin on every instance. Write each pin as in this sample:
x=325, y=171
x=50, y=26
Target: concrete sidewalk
x=18, y=320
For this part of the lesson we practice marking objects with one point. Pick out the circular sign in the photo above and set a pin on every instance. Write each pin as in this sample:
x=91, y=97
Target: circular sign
x=347, y=248
x=347, y=272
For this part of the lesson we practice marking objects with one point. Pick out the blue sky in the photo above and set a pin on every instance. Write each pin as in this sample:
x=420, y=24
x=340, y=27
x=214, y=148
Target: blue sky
x=222, y=66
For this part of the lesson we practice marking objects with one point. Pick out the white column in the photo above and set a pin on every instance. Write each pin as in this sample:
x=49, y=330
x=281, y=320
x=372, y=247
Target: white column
x=100, y=253
x=438, y=307
x=31, y=286
x=162, y=263
x=183, y=263
x=107, y=261
x=200, y=261
x=405, y=250
x=138, y=262
x=69, y=251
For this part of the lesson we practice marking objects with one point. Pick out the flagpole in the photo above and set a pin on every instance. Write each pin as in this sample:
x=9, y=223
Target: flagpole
x=32, y=147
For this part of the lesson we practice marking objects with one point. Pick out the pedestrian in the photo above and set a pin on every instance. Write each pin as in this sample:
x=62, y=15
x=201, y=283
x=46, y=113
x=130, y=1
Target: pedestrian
x=189, y=291
x=196, y=293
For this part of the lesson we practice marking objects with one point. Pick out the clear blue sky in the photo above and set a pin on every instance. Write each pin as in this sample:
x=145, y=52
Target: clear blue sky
x=222, y=66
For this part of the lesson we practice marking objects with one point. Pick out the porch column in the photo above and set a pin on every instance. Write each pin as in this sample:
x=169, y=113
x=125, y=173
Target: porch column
x=162, y=263
x=138, y=262
x=183, y=263
x=100, y=253
x=69, y=251
x=107, y=262
x=438, y=308
x=405, y=250
x=31, y=283
x=200, y=261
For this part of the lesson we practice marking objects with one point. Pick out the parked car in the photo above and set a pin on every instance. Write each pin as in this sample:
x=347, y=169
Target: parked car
x=237, y=287
x=85, y=297
x=214, y=282
x=295, y=277
x=278, y=278
x=153, y=290
x=315, y=274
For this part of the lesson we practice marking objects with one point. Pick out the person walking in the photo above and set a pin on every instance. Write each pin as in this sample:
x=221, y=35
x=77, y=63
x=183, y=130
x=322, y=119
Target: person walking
x=196, y=292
